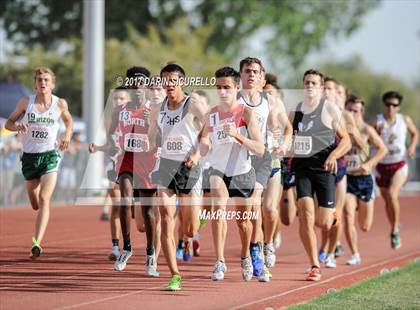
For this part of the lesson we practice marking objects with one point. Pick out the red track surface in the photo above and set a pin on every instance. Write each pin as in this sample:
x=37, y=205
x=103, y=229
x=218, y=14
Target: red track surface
x=74, y=272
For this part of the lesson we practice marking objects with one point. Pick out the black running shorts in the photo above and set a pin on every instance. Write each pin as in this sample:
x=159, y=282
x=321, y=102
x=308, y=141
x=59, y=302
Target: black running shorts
x=321, y=183
x=241, y=185
x=262, y=167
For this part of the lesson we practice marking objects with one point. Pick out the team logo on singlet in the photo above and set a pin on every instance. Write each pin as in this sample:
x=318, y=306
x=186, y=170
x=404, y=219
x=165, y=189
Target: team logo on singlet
x=32, y=119
x=128, y=120
x=304, y=128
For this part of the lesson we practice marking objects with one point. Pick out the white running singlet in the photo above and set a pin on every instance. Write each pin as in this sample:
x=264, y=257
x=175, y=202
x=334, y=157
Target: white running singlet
x=227, y=155
x=394, y=137
x=42, y=127
x=179, y=136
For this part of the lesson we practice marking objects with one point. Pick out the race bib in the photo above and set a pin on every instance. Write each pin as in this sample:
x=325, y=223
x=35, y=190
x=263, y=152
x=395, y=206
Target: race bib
x=174, y=145
x=40, y=134
x=303, y=145
x=353, y=162
x=220, y=137
x=136, y=142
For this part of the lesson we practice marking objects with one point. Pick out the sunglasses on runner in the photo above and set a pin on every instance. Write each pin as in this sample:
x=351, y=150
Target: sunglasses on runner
x=389, y=104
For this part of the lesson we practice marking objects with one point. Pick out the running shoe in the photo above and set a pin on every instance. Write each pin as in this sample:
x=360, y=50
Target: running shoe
x=395, y=240
x=265, y=275
x=322, y=256
x=257, y=262
x=188, y=252
x=179, y=253
x=122, y=260
x=104, y=217
x=314, y=274
x=354, y=260
x=196, y=247
x=151, y=266
x=277, y=240
x=202, y=223
x=339, y=250
x=269, y=255
x=330, y=261
x=115, y=253
x=36, y=249
x=219, y=271
x=175, y=284
x=247, y=269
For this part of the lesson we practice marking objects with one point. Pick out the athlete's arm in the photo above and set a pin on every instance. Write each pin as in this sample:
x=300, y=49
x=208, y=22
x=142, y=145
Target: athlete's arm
x=197, y=107
x=255, y=144
x=277, y=118
x=19, y=110
x=381, y=150
x=68, y=122
x=153, y=125
x=205, y=142
x=411, y=150
x=343, y=146
x=93, y=148
x=352, y=130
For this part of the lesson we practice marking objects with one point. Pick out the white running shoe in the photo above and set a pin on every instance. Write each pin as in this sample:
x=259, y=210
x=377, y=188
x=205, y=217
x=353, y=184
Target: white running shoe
x=151, y=266
x=269, y=255
x=354, y=260
x=330, y=261
x=121, y=262
x=265, y=275
x=115, y=253
x=219, y=271
x=277, y=240
x=247, y=269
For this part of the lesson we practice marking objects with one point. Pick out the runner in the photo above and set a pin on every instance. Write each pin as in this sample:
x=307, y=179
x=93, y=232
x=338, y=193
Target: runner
x=134, y=166
x=267, y=111
x=287, y=212
x=42, y=114
x=360, y=188
x=232, y=175
x=331, y=247
x=316, y=123
x=392, y=170
x=179, y=120
x=278, y=140
x=120, y=98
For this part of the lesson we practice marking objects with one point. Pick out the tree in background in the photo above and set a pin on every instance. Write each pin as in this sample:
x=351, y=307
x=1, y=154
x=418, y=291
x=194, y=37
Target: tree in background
x=291, y=28
x=370, y=86
x=183, y=46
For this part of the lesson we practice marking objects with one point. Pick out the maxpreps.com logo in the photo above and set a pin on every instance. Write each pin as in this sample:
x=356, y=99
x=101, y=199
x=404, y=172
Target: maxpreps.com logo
x=32, y=119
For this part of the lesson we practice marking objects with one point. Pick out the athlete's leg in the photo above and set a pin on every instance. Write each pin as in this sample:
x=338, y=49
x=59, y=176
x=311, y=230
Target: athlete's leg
x=47, y=185
x=32, y=188
x=349, y=219
x=366, y=211
x=126, y=189
x=144, y=216
x=397, y=182
x=335, y=232
x=243, y=223
x=167, y=213
x=307, y=233
x=220, y=197
x=157, y=228
x=115, y=222
x=270, y=202
x=257, y=234
x=288, y=209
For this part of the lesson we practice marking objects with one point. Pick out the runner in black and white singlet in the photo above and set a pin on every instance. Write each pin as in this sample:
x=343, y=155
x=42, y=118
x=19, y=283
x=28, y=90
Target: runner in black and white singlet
x=316, y=123
x=231, y=131
x=392, y=171
x=42, y=115
x=179, y=120
x=360, y=187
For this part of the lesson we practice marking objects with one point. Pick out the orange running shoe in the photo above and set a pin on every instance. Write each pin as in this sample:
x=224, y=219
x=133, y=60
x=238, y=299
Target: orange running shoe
x=314, y=274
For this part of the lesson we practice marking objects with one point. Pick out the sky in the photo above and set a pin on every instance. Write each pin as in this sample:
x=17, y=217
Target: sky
x=388, y=41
